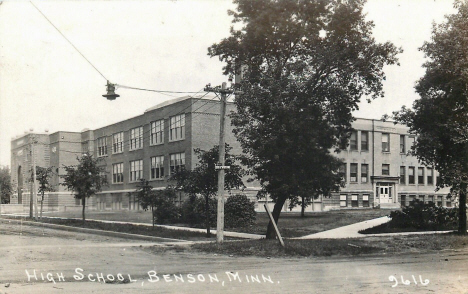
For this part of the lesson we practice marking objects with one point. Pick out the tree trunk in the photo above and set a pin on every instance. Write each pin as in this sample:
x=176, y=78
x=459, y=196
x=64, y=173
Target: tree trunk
x=303, y=206
x=207, y=214
x=42, y=205
x=462, y=210
x=271, y=234
x=152, y=214
x=83, y=202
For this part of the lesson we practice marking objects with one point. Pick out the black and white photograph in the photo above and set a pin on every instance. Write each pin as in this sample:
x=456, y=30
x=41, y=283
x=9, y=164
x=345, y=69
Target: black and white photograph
x=233, y=146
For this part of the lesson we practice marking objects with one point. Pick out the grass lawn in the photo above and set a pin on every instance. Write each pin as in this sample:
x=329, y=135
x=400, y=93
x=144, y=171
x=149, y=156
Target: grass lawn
x=331, y=247
x=291, y=224
x=387, y=228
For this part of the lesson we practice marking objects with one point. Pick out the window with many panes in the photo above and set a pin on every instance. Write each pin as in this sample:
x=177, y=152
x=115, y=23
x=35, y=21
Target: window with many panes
x=177, y=127
x=402, y=144
x=353, y=145
x=157, y=167
x=136, y=170
x=421, y=175
x=117, y=173
x=177, y=162
x=365, y=141
x=136, y=138
x=117, y=142
x=342, y=172
x=157, y=132
x=385, y=169
x=402, y=175
x=364, y=173
x=385, y=142
x=430, y=176
x=411, y=175
x=353, y=173
x=102, y=146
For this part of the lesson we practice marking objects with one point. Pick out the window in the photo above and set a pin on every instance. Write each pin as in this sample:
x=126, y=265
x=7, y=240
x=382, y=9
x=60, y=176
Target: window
x=343, y=200
x=157, y=132
x=430, y=176
x=365, y=141
x=354, y=200
x=342, y=172
x=177, y=162
x=421, y=175
x=136, y=170
x=421, y=198
x=430, y=198
x=177, y=127
x=402, y=175
x=364, y=173
x=448, y=203
x=365, y=200
x=157, y=167
x=385, y=169
x=353, y=141
x=403, y=200
x=136, y=138
x=353, y=172
x=402, y=144
x=117, y=173
x=439, y=200
x=385, y=142
x=117, y=143
x=411, y=175
x=102, y=146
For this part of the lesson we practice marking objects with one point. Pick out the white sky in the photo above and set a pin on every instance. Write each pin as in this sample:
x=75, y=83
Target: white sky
x=46, y=84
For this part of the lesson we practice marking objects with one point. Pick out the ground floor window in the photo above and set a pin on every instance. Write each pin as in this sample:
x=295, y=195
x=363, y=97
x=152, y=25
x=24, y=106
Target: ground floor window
x=354, y=200
x=439, y=200
x=403, y=200
x=343, y=200
x=365, y=200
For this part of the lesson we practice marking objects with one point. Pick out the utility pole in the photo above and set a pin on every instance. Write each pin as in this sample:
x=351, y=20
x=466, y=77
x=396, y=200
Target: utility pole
x=33, y=194
x=220, y=166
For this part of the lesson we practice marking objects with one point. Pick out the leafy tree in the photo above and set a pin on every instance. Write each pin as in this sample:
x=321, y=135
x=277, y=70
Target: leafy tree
x=305, y=66
x=439, y=117
x=239, y=211
x=203, y=179
x=85, y=179
x=43, y=177
x=5, y=185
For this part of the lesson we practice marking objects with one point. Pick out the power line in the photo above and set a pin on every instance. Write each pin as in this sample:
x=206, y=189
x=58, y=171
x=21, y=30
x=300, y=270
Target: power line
x=157, y=91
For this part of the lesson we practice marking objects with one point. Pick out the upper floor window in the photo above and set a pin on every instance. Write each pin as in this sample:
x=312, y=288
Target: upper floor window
x=430, y=176
x=157, y=167
x=365, y=141
x=411, y=175
x=364, y=173
x=385, y=142
x=117, y=143
x=117, y=173
x=385, y=169
x=353, y=172
x=136, y=170
x=421, y=175
x=402, y=175
x=102, y=146
x=353, y=145
x=177, y=127
x=177, y=162
x=136, y=138
x=157, y=132
x=342, y=172
x=402, y=144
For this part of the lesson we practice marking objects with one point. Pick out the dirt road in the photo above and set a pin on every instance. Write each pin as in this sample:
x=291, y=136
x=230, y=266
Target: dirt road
x=37, y=260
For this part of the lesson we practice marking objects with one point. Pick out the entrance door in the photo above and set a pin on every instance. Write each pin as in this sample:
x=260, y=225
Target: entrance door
x=384, y=194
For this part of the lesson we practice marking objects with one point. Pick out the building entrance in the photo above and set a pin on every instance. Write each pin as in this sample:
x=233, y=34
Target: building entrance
x=385, y=193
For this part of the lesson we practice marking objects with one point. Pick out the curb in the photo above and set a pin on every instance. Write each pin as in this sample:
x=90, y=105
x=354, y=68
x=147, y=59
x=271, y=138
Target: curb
x=96, y=231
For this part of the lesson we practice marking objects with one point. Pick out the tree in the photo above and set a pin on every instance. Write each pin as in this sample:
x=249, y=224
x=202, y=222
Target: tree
x=146, y=196
x=43, y=177
x=305, y=66
x=5, y=185
x=203, y=179
x=439, y=117
x=85, y=179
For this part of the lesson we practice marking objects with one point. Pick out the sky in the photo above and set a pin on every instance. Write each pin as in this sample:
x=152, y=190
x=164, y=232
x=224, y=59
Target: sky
x=46, y=84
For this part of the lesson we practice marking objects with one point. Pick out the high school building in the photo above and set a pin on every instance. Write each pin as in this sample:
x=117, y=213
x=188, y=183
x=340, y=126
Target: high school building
x=378, y=172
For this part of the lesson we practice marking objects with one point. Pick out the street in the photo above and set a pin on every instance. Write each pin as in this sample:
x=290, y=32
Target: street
x=41, y=260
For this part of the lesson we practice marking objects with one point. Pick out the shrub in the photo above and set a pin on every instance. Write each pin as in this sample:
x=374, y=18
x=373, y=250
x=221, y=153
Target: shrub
x=239, y=211
x=193, y=211
x=166, y=211
x=422, y=215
